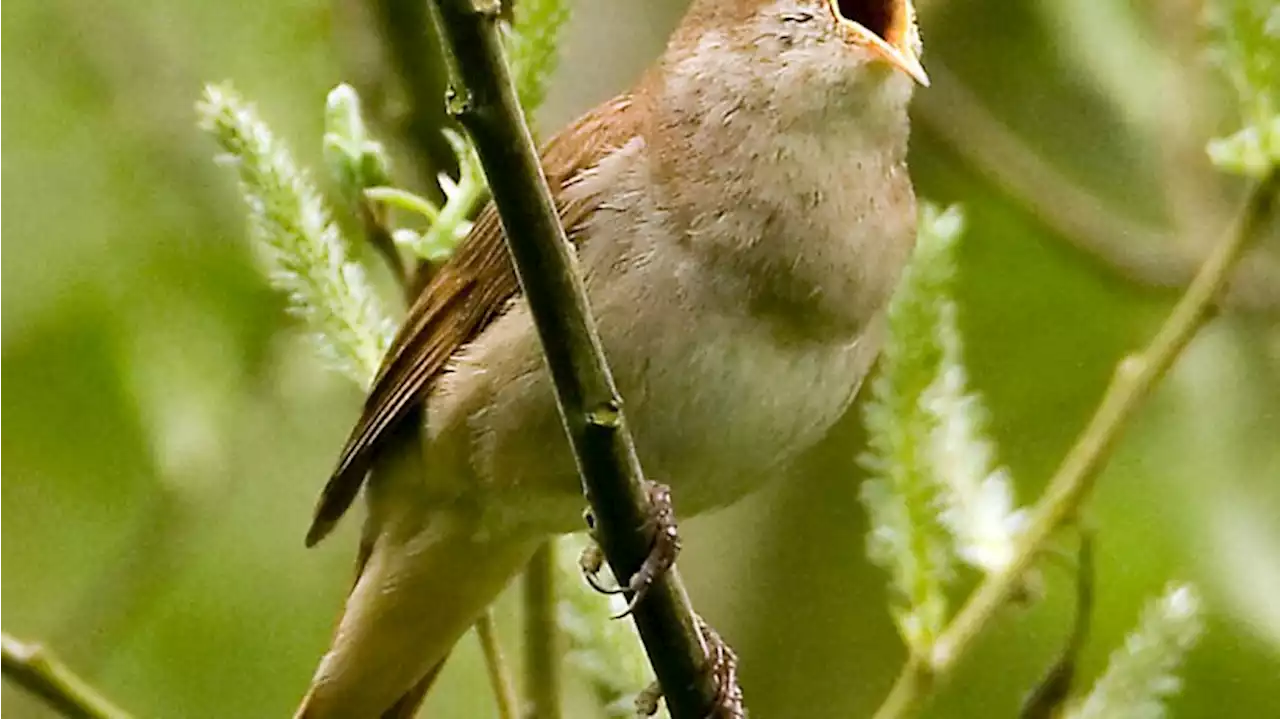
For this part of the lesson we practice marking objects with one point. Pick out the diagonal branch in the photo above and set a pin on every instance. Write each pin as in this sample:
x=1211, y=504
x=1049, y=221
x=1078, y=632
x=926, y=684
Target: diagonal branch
x=483, y=100
x=542, y=641
x=31, y=667
x=1135, y=378
x=504, y=690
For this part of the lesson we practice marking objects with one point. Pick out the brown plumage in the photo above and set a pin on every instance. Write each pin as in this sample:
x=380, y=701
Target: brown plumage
x=740, y=218
x=467, y=293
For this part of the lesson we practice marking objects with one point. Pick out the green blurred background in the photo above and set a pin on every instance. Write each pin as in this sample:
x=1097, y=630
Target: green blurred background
x=169, y=427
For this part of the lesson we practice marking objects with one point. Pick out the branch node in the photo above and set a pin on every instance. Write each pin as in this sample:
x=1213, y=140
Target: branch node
x=34, y=668
x=458, y=102
x=1130, y=368
x=606, y=415
x=490, y=9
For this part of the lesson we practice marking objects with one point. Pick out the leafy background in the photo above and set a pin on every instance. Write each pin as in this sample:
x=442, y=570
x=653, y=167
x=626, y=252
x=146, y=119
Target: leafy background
x=168, y=427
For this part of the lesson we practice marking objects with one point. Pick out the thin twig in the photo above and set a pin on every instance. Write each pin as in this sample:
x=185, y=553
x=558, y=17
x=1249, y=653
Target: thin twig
x=484, y=101
x=1053, y=691
x=504, y=688
x=542, y=646
x=33, y=668
x=913, y=685
x=1134, y=379
x=373, y=221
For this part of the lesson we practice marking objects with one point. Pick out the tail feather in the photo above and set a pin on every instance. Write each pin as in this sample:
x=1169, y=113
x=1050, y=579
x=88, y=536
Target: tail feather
x=406, y=707
x=425, y=577
x=410, y=606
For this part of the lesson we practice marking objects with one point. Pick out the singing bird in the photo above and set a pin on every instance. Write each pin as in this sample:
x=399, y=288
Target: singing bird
x=740, y=218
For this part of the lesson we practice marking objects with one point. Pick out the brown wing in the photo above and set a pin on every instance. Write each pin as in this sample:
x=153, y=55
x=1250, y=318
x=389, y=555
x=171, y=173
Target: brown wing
x=467, y=293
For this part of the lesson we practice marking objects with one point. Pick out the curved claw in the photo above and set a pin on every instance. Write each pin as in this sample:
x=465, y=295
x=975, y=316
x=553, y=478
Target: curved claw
x=724, y=666
x=594, y=581
x=647, y=700
x=722, y=663
x=631, y=604
x=590, y=562
x=662, y=555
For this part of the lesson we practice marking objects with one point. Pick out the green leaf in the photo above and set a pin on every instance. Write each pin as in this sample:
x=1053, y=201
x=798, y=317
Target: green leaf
x=355, y=160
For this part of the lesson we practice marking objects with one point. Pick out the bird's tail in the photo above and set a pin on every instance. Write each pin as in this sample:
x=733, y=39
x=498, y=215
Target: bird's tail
x=414, y=599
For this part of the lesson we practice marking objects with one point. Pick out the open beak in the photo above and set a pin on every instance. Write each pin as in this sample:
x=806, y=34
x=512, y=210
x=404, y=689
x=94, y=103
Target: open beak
x=903, y=58
x=887, y=28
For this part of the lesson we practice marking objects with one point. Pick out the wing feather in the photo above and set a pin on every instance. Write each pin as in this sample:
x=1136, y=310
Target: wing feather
x=469, y=291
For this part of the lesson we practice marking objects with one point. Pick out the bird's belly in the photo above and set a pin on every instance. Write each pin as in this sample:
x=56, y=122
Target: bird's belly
x=716, y=402
x=721, y=407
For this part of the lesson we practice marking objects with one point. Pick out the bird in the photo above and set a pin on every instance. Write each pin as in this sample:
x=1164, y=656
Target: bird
x=740, y=217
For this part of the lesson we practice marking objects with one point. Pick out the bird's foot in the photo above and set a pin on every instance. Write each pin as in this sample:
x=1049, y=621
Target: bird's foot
x=724, y=668
x=648, y=700
x=723, y=661
x=662, y=554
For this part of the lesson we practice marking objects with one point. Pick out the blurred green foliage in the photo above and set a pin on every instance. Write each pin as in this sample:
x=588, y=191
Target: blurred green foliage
x=169, y=427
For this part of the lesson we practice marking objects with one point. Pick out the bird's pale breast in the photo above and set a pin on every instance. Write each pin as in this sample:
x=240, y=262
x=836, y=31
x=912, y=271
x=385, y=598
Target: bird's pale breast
x=724, y=379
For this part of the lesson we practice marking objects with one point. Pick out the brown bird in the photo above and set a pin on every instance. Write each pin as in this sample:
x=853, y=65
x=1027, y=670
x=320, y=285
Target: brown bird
x=740, y=218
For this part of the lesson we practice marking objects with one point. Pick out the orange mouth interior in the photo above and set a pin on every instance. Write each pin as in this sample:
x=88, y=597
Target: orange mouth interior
x=884, y=26
x=885, y=19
